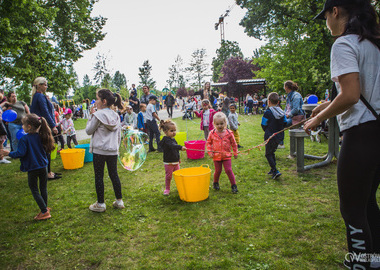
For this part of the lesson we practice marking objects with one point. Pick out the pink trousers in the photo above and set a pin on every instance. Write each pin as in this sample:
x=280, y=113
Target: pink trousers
x=169, y=169
x=227, y=168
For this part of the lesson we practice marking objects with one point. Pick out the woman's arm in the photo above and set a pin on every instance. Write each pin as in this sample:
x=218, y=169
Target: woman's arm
x=349, y=96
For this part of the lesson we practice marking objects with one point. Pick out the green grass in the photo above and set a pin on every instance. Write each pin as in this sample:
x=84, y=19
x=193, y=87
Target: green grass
x=80, y=123
x=289, y=223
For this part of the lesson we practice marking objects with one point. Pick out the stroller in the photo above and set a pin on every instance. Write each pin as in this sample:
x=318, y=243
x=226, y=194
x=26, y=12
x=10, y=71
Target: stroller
x=188, y=114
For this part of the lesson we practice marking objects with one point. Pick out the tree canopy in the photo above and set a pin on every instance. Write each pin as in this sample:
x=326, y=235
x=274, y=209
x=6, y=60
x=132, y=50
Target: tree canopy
x=145, y=76
x=227, y=50
x=298, y=47
x=45, y=38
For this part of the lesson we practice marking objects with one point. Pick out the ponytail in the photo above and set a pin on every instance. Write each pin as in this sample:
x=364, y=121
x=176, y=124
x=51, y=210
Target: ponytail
x=40, y=125
x=111, y=98
x=36, y=82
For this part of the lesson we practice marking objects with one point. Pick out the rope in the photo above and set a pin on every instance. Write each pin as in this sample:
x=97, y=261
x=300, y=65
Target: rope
x=263, y=143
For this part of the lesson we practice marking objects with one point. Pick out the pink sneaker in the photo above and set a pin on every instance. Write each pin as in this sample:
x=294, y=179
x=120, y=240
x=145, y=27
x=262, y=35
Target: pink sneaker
x=166, y=192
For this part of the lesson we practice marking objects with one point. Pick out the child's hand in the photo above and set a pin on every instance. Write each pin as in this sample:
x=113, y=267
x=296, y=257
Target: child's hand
x=183, y=148
x=235, y=156
x=4, y=153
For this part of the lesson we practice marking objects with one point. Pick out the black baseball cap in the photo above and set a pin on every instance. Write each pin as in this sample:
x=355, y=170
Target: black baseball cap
x=333, y=3
x=152, y=97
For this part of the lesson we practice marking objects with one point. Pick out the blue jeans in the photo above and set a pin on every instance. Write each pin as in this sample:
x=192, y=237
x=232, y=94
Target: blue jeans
x=13, y=129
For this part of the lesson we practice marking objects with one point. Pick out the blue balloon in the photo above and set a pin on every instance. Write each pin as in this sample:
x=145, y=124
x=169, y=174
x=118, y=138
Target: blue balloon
x=20, y=134
x=312, y=99
x=9, y=115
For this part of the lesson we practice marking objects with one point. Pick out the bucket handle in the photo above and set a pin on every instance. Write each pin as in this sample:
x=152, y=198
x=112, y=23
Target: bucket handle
x=205, y=166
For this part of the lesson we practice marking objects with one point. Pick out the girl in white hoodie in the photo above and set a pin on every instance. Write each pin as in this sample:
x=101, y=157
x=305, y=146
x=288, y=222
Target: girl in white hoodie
x=104, y=126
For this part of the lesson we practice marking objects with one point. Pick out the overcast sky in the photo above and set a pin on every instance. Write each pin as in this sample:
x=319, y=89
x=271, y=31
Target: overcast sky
x=158, y=31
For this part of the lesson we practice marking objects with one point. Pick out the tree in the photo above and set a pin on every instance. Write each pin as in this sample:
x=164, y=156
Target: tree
x=86, y=91
x=45, y=38
x=298, y=47
x=119, y=81
x=182, y=92
x=107, y=81
x=236, y=69
x=198, y=67
x=100, y=67
x=227, y=50
x=176, y=77
x=144, y=74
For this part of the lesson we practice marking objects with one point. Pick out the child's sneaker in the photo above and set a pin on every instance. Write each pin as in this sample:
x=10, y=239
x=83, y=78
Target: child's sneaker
x=4, y=161
x=118, y=204
x=276, y=175
x=216, y=185
x=270, y=172
x=166, y=192
x=98, y=207
x=234, y=189
x=42, y=216
x=239, y=146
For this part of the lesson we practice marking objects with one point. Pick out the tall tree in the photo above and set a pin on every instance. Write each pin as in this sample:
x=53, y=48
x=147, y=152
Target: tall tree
x=107, y=81
x=101, y=67
x=145, y=76
x=227, y=50
x=198, y=67
x=119, y=80
x=298, y=47
x=176, y=77
x=235, y=69
x=45, y=38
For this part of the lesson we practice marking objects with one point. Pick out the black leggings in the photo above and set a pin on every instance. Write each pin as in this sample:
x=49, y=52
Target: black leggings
x=170, y=111
x=69, y=138
x=358, y=181
x=98, y=162
x=39, y=194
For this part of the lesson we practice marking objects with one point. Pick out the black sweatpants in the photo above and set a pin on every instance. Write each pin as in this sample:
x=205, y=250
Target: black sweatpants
x=39, y=194
x=358, y=180
x=99, y=162
x=69, y=138
x=58, y=137
x=270, y=149
x=170, y=111
x=153, y=131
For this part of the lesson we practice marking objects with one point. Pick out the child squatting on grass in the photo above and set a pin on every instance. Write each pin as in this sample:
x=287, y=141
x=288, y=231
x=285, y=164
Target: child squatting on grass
x=171, y=149
x=273, y=120
x=104, y=126
x=219, y=144
x=32, y=149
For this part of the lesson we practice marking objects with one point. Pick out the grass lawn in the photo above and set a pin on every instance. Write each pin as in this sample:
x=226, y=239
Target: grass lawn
x=289, y=223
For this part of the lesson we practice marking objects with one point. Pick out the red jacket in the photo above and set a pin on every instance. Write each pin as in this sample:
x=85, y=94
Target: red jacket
x=222, y=145
x=211, y=119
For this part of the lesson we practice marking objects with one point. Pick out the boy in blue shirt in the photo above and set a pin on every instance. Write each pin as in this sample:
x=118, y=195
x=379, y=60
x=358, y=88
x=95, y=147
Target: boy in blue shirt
x=273, y=120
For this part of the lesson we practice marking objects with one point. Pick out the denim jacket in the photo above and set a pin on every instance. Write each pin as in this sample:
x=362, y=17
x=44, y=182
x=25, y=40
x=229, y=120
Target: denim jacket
x=294, y=104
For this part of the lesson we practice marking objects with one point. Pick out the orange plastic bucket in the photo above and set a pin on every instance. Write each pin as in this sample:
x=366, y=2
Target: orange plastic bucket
x=193, y=183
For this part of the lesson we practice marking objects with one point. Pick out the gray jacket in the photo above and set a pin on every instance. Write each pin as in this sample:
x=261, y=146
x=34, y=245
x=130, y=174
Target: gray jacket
x=104, y=126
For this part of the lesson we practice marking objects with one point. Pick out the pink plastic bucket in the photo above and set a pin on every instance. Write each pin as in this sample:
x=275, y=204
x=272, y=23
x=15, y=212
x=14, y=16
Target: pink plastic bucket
x=198, y=145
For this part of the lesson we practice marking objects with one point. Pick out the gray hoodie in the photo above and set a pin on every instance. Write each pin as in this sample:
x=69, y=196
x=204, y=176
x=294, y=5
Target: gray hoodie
x=278, y=113
x=104, y=126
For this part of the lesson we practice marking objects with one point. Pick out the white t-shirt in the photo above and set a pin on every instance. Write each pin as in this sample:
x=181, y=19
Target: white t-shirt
x=150, y=109
x=206, y=118
x=348, y=55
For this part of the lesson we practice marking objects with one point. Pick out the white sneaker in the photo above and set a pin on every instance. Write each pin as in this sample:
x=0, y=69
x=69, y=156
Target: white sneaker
x=97, y=207
x=118, y=204
x=4, y=161
x=280, y=146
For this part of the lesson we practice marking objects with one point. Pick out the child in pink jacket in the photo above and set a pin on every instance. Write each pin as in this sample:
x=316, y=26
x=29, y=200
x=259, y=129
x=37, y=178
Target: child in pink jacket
x=207, y=115
x=219, y=144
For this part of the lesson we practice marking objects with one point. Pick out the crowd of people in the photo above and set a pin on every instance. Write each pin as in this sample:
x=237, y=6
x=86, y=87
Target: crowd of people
x=355, y=70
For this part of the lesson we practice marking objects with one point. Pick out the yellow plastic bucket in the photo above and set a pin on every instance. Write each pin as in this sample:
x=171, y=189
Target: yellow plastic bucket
x=180, y=137
x=72, y=158
x=193, y=183
x=53, y=154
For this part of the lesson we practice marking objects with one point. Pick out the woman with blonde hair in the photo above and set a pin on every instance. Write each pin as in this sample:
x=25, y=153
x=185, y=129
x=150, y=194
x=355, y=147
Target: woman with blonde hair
x=42, y=106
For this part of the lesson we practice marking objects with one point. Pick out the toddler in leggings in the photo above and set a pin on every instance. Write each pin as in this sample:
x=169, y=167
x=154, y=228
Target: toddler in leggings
x=104, y=126
x=219, y=144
